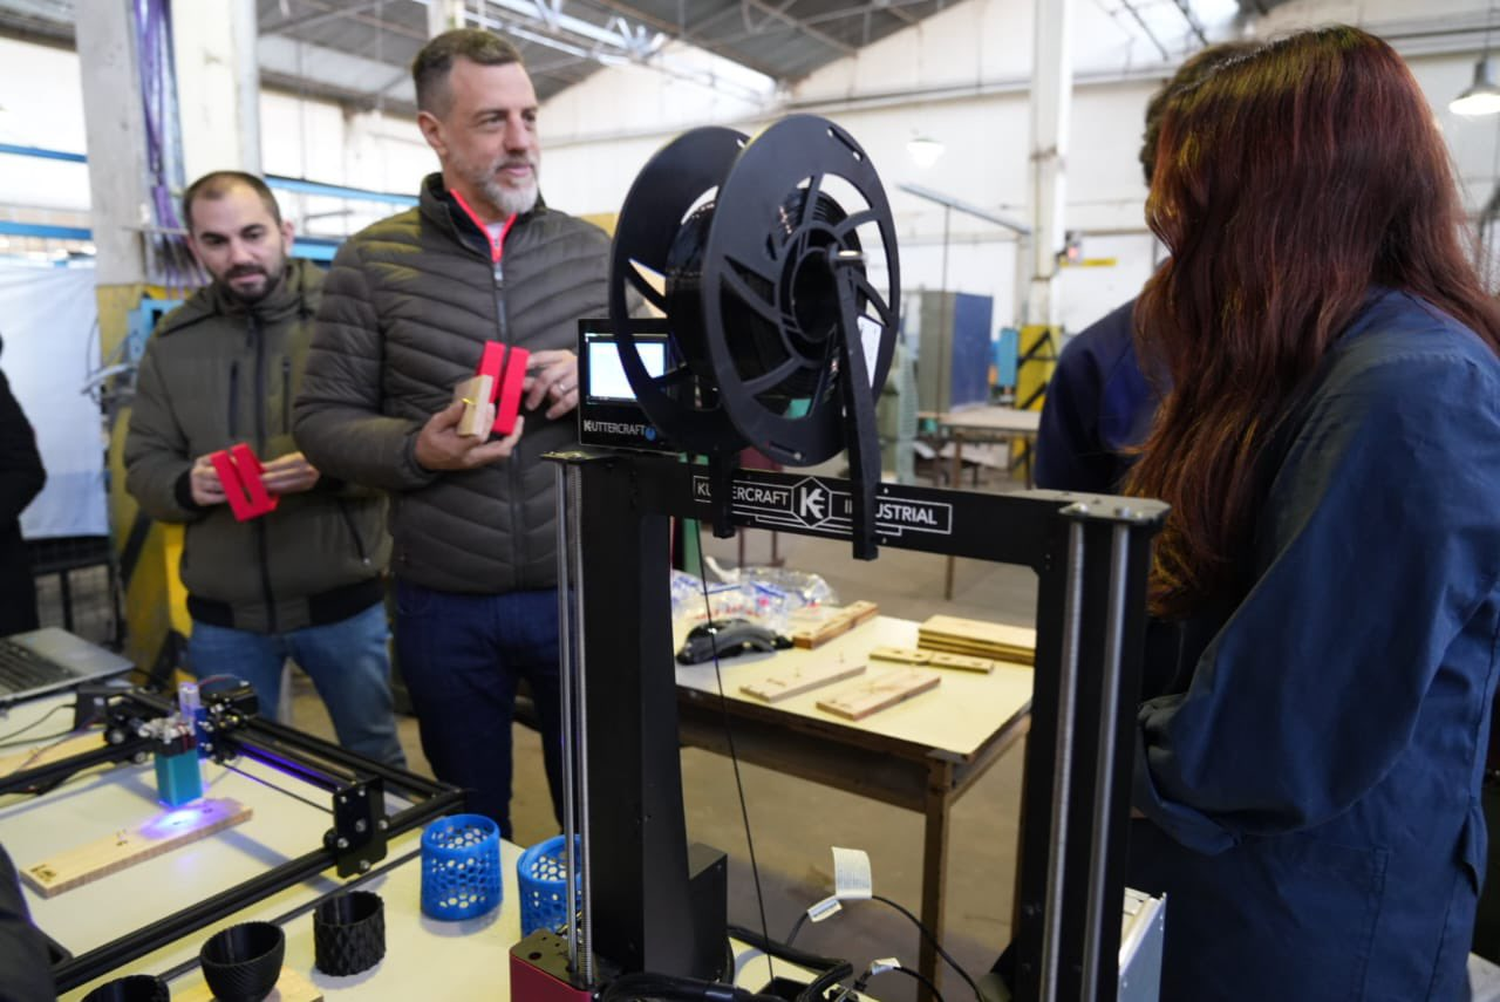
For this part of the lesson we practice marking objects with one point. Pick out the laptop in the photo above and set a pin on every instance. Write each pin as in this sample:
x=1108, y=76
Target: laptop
x=50, y=660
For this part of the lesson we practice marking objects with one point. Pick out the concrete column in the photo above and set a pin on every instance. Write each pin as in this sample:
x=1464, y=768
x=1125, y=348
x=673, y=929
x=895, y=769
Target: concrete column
x=1051, y=114
x=218, y=78
x=444, y=15
x=119, y=188
x=113, y=123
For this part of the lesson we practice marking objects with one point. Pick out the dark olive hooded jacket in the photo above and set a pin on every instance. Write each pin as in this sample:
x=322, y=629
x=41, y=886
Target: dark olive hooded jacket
x=216, y=374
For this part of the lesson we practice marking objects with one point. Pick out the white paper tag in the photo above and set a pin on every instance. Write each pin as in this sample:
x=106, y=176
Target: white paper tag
x=825, y=909
x=851, y=874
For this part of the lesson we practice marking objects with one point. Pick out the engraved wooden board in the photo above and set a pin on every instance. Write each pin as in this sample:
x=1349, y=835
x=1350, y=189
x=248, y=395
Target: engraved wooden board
x=290, y=987
x=963, y=662
x=903, y=655
x=978, y=638
x=937, y=659
x=86, y=863
x=837, y=623
x=45, y=754
x=879, y=693
x=475, y=392
x=785, y=684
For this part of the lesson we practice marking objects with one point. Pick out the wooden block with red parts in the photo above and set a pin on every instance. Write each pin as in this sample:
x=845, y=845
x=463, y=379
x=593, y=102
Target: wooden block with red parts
x=240, y=474
x=506, y=366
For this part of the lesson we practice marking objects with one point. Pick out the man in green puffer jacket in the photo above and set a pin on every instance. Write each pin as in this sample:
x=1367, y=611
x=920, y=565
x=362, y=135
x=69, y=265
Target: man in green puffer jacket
x=305, y=580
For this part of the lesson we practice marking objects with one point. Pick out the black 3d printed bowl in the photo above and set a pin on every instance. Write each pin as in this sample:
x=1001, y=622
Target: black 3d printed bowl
x=131, y=988
x=349, y=933
x=242, y=963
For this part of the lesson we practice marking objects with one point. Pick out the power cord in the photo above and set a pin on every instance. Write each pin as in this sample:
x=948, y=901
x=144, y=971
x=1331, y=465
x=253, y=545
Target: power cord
x=926, y=934
x=833, y=970
x=734, y=759
x=884, y=966
x=9, y=740
x=657, y=986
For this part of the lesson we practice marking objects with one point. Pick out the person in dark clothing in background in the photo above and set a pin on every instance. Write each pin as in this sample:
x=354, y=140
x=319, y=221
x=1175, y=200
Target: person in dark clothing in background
x=21, y=479
x=25, y=969
x=1099, y=404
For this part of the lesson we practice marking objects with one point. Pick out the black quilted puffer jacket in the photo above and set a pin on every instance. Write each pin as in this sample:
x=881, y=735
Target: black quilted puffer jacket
x=406, y=311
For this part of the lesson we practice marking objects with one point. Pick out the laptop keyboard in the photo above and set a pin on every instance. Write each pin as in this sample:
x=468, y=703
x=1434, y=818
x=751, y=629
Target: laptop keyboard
x=22, y=668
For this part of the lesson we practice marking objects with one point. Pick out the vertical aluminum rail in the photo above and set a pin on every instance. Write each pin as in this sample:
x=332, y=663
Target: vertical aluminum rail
x=565, y=673
x=1067, y=697
x=581, y=720
x=1109, y=705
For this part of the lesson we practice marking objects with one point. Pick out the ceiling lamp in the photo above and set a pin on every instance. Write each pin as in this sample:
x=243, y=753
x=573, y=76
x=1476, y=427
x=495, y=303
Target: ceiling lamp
x=925, y=151
x=1482, y=97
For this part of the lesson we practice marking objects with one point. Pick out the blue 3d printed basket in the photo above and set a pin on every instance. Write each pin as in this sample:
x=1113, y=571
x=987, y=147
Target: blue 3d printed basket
x=542, y=873
x=460, y=867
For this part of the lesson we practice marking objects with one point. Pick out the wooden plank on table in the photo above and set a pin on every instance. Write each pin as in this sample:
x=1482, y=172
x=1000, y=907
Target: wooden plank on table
x=902, y=655
x=87, y=863
x=978, y=639
x=979, y=631
x=963, y=662
x=787, y=683
x=1011, y=654
x=290, y=987
x=880, y=692
x=835, y=623
x=45, y=754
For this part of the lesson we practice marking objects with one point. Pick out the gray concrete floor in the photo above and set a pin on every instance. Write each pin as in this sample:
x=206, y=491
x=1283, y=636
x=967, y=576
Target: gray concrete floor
x=794, y=822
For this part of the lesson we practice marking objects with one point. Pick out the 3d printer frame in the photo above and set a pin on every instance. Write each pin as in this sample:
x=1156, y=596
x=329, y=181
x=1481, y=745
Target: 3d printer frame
x=1091, y=556
x=353, y=845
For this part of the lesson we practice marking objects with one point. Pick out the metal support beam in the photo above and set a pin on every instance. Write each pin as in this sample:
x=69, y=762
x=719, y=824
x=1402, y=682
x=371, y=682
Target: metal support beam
x=1051, y=110
x=798, y=24
x=1194, y=25
x=1146, y=28
x=327, y=14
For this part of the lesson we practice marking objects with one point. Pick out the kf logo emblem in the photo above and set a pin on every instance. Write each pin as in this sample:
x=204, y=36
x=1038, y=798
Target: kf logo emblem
x=812, y=504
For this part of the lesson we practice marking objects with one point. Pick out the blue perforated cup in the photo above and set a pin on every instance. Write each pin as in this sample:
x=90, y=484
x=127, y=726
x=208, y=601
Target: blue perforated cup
x=460, y=867
x=542, y=873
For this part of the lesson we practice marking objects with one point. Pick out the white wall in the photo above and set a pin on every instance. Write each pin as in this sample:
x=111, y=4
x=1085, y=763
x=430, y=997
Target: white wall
x=961, y=77
x=42, y=97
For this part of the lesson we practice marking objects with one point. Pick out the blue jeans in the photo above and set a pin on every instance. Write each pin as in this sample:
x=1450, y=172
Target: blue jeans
x=347, y=661
x=461, y=657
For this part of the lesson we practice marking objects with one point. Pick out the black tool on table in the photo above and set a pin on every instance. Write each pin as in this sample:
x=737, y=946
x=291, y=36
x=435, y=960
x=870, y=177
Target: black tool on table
x=728, y=638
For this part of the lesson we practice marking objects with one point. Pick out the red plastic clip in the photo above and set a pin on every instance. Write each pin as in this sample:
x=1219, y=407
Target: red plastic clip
x=240, y=474
x=507, y=367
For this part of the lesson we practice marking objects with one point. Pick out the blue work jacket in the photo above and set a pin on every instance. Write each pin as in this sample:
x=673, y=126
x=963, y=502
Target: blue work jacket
x=1099, y=405
x=1311, y=787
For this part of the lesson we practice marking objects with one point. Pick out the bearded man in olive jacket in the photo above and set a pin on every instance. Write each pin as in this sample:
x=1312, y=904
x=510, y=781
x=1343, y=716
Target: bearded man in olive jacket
x=410, y=303
x=305, y=580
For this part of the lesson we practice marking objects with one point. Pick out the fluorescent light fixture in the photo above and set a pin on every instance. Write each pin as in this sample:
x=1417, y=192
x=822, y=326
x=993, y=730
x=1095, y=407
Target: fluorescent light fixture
x=1482, y=97
x=924, y=150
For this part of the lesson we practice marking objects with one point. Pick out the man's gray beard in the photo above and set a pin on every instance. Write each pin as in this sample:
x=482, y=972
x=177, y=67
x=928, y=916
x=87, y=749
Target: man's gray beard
x=511, y=201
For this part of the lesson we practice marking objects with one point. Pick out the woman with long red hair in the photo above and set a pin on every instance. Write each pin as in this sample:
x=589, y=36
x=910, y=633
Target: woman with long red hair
x=1330, y=447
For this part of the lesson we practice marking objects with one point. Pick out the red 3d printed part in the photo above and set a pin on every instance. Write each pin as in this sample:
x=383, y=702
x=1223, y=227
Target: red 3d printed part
x=240, y=474
x=507, y=367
